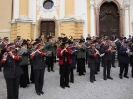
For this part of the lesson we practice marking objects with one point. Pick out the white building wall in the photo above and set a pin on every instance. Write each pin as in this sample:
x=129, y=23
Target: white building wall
x=131, y=17
x=80, y=9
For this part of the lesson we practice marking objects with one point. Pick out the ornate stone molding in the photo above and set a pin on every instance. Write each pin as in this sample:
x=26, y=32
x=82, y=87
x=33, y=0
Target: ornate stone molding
x=126, y=4
x=47, y=14
x=98, y=2
x=24, y=19
x=71, y=18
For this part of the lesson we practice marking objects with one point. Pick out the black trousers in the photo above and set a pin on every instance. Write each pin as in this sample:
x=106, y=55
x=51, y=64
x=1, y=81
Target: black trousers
x=81, y=65
x=72, y=75
x=113, y=59
x=12, y=87
x=32, y=74
x=50, y=63
x=123, y=68
x=39, y=79
x=98, y=66
x=92, y=71
x=24, y=78
x=107, y=68
x=64, y=74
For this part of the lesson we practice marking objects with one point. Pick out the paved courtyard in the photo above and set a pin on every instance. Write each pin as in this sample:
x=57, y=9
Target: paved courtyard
x=81, y=89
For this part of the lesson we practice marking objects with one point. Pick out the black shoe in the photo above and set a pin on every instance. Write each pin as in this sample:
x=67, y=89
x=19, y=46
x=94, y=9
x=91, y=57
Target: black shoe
x=48, y=70
x=96, y=73
x=67, y=86
x=72, y=81
x=126, y=76
x=114, y=66
x=38, y=93
x=52, y=70
x=91, y=81
x=121, y=77
x=63, y=87
x=105, y=78
x=94, y=79
x=82, y=74
x=41, y=92
x=110, y=77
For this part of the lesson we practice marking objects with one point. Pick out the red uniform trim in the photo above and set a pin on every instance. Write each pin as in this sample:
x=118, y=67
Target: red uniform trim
x=3, y=61
x=95, y=55
x=42, y=53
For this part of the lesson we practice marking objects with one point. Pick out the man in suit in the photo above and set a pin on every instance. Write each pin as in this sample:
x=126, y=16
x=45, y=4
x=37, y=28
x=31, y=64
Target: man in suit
x=124, y=60
x=107, y=58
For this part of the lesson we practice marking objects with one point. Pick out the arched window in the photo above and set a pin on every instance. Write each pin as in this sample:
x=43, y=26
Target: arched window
x=48, y=4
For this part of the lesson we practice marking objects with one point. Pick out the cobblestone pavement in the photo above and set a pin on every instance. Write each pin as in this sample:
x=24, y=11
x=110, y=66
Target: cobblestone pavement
x=81, y=89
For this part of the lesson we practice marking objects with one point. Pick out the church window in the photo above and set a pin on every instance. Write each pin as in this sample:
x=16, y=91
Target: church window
x=48, y=4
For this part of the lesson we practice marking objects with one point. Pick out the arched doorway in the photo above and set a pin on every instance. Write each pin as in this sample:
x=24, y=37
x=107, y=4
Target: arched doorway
x=109, y=19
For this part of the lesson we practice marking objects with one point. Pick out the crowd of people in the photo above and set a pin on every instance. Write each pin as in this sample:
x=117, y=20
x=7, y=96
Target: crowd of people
x=15, y=57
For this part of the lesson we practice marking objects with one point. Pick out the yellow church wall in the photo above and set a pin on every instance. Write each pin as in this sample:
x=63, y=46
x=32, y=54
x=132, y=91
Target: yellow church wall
x=69, y=7
x=24, y=30
x=73, y=29
x=13, y=33
x=5, y=17
x=23, y=7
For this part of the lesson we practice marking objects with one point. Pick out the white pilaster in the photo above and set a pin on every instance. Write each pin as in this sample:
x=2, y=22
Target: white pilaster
x=16, y=9
x=92, y=18
x=127, y=20
x=62, y=8
x=80, y=9
x=32, y=10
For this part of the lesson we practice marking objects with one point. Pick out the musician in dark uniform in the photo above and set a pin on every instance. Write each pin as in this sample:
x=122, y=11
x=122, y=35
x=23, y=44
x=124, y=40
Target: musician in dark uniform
x=24, y=52
x=12, y=71
x=64, y=54
x=38, y=67
x=87, y=44
x=119, y=43
x=106, y=50
x=124, y=60
x=73, y=56
x=92, y=60
x=131, y=59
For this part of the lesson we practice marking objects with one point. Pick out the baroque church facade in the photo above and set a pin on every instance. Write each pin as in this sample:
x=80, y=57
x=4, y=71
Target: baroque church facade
x=32, y=18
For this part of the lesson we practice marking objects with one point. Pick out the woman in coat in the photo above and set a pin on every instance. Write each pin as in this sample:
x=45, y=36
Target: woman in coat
x=64, y=55
x=24, y=52
x=81, y=55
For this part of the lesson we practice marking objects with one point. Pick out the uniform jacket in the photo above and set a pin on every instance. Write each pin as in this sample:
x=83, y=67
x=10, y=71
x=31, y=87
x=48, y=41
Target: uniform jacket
x=12, y=68
x=51, y=47
x=92, y=56
x=81, y=52
x=62, y=57
x=124, y=57
x=107, y=53
x=38, y=60
x=73, y=56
